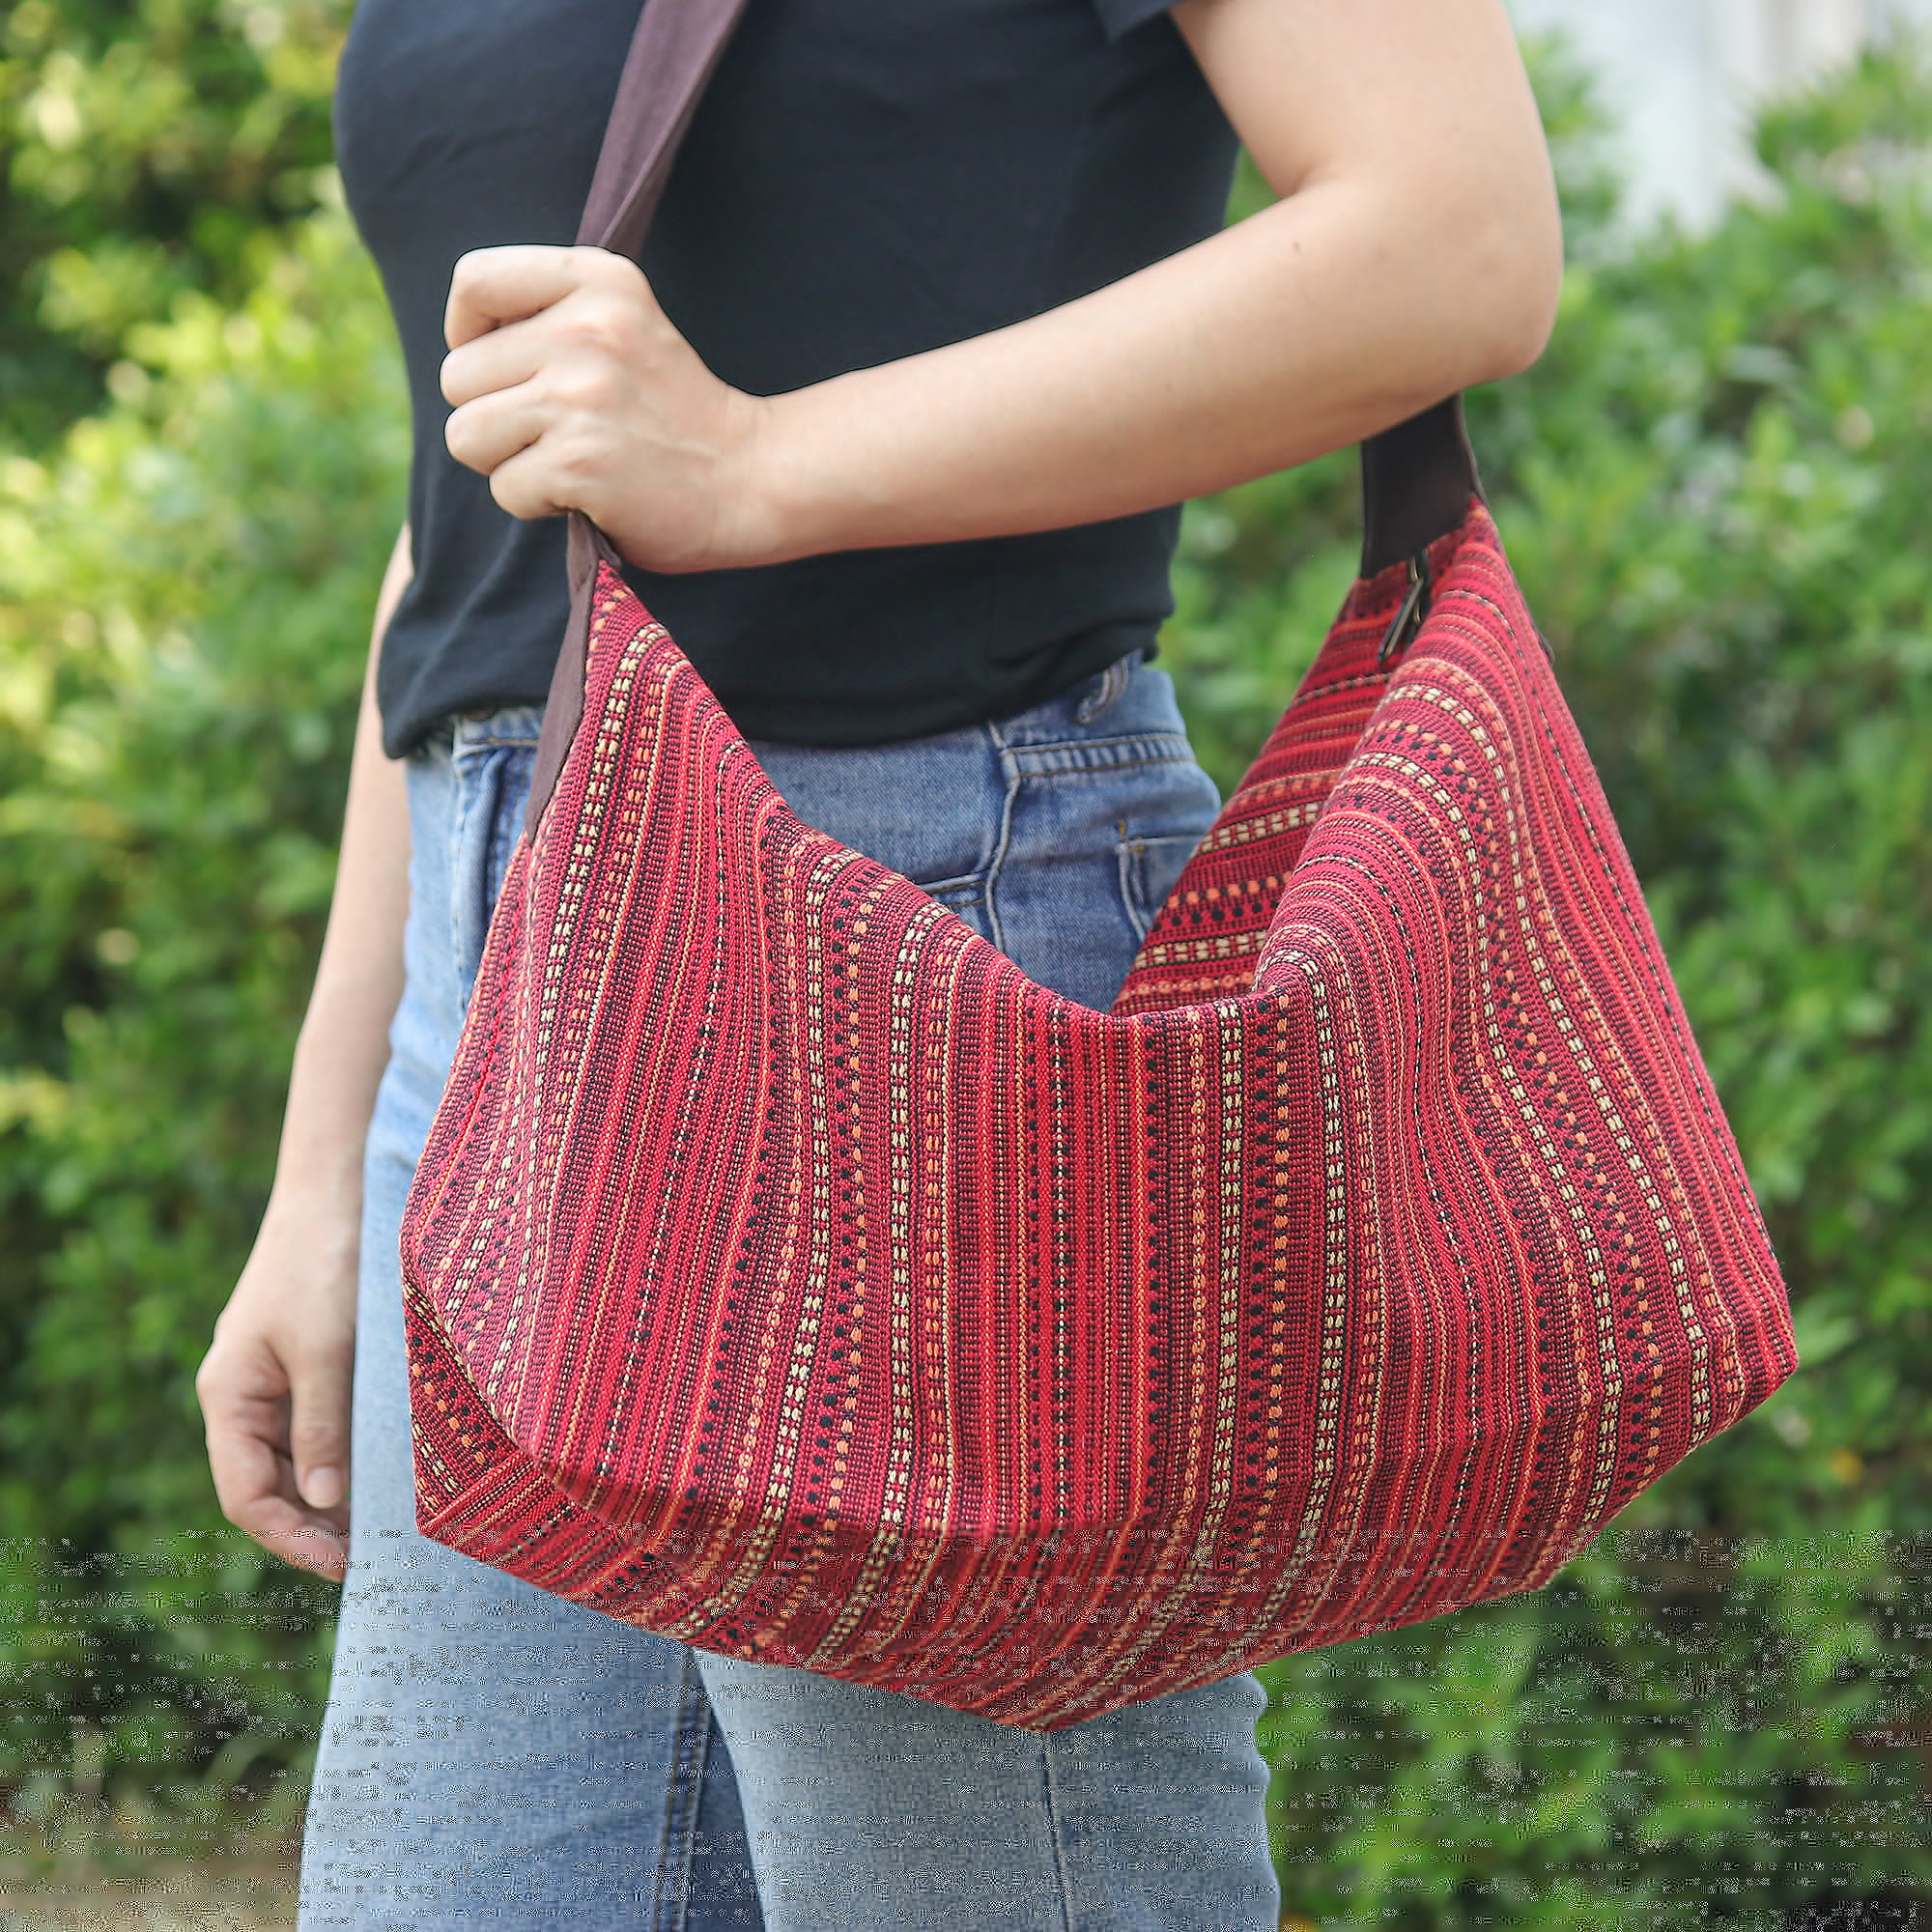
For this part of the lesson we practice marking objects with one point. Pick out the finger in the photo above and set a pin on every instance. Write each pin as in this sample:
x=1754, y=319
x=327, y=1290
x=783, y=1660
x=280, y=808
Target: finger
x=319, y=1425
x=608, y=313
x=255, y=1485
x=531, y=484
x=485, y=434
x=503, y=359
x=301, y=1537
x=491, y=286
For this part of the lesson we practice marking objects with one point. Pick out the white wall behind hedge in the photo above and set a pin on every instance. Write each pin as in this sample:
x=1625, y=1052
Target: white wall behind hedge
x=1682, y=76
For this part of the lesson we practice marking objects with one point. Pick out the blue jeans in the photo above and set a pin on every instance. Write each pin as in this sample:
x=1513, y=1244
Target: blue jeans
x=495, y=1756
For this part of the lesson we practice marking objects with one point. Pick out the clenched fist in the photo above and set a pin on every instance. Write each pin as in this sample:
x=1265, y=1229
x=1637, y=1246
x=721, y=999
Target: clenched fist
x=572, y=391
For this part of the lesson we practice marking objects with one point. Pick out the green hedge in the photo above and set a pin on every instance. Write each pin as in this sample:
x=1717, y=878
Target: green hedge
x=143, y=144
x=185, y=599
x=1712, y=489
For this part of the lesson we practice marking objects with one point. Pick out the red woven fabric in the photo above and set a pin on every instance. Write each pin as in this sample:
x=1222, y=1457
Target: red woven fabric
x=789, y=1274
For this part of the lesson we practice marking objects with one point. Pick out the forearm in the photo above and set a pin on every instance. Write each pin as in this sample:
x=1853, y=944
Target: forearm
x=343, y=1044
x=1256, y=351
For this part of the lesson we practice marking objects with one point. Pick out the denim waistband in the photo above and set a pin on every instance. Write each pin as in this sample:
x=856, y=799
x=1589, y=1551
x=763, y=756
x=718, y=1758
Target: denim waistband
x=484, y=730
x=1048, y=722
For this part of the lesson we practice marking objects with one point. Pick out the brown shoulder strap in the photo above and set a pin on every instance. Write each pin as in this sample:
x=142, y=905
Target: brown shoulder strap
x=1417, y=479
x=676, y=45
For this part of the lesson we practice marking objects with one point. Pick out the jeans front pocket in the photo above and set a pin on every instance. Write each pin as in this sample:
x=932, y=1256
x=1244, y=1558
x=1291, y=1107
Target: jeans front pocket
x=1149, y=869
x=493, y=781
x=929, y=809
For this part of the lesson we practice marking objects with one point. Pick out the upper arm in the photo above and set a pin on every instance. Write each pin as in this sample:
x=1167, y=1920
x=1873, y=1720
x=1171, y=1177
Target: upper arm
x=1421, y=106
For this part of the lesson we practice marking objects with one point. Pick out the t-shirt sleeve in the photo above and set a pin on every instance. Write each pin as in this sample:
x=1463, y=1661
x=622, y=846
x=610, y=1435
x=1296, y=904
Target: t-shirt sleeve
x=1120, y=16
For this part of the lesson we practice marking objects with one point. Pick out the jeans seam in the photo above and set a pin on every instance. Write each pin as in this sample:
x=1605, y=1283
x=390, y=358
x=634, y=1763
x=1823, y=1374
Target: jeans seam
x=1002, y=840
x=1054, y=1837
x=691, y=1740
x=512, y=744
x=466, y=799
x=1097, y=755
x=1130, y=894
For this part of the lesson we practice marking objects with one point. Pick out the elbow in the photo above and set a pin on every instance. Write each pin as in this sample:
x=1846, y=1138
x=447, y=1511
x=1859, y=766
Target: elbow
x=1473, y=259
x=1509, y=276
x=1524, y=313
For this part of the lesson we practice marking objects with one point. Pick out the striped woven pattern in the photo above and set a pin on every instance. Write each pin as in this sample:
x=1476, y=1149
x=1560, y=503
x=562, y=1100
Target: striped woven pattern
x=789, y=1274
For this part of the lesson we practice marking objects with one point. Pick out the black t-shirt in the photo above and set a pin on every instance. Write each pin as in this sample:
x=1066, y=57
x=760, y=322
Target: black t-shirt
x=864, y=179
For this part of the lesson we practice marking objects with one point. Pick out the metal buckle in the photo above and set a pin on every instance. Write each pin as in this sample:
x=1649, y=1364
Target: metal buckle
x=1414, y=608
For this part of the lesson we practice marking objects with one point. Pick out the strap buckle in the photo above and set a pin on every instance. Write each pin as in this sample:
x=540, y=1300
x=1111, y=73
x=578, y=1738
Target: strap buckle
x=1415, y=608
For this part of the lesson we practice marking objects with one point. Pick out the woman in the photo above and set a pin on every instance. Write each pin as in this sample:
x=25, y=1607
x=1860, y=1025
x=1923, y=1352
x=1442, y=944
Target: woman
x=934, y=325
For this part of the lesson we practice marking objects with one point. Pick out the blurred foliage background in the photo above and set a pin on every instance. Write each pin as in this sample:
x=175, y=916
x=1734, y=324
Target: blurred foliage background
x=1714, y=488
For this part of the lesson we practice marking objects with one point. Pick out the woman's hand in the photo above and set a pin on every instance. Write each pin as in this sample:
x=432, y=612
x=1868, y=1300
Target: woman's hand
x=572, y=391
x=275, y=1386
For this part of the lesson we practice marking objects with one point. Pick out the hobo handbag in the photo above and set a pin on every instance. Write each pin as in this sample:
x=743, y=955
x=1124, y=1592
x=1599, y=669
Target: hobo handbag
x=789, y=1274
